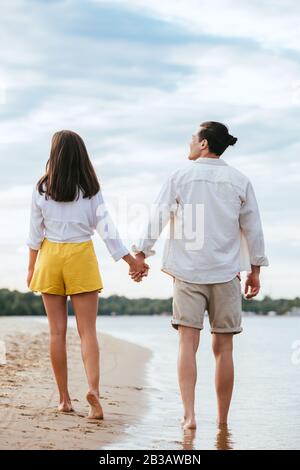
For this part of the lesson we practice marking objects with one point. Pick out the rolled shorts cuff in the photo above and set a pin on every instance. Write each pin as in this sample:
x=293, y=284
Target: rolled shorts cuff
x=177, y=323
x=234, y=331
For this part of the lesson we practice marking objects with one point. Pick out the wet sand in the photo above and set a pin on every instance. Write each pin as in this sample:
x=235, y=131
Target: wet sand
x=28, y=396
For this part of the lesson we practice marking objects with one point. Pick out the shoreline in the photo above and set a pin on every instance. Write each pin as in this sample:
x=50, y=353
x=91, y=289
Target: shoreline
x=28, y=399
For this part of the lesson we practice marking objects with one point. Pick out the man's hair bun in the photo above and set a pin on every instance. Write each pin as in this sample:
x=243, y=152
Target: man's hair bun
x=232, y=140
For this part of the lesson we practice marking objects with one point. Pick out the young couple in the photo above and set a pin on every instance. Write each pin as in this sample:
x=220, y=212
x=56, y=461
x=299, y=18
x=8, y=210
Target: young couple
x=215, y=233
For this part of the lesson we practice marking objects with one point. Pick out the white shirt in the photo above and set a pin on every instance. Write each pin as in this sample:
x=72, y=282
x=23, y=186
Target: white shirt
x=73, y=221
x=215, y=229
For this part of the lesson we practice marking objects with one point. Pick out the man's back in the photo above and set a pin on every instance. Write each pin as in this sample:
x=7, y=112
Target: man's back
x=211, y=205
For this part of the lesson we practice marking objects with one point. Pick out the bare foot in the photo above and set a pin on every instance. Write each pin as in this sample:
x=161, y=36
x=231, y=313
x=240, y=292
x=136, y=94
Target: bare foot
x=189, y=423
x=65, y=407
x=96, y=411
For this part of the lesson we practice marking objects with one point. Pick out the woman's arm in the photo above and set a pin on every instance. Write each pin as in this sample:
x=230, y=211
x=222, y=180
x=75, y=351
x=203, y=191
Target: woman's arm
x=32, y=259
x=36, y=234
x=107, y=230
x=37, y=227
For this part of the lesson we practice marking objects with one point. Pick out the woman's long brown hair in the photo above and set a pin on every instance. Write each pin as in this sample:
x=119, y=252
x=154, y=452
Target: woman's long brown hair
x=68, y=169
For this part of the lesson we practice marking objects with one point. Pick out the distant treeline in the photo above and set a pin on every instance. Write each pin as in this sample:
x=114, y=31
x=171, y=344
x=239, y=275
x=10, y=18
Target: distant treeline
x=18, y=303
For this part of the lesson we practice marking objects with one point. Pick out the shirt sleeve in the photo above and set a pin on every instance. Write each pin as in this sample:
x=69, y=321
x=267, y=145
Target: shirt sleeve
x=250, y=224
x=164, y=205
x=36, y=227
x=105, y=227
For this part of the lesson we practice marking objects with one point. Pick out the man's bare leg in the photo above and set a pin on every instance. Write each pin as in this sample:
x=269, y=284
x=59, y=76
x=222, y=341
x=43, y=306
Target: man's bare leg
x=224, y=378
x=187, y=372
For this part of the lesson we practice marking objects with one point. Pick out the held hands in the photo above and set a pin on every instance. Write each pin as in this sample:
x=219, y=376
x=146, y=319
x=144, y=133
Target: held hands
x=137, y=266
x=139, y=269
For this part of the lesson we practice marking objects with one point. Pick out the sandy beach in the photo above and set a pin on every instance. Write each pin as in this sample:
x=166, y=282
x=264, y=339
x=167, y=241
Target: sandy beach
x=28, y=397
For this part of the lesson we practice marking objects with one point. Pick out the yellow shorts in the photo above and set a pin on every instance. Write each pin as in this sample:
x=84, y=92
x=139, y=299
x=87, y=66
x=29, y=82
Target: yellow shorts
x=66, y=268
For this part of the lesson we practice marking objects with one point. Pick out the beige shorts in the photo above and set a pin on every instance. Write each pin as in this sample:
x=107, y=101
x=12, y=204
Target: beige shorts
x=223, y=301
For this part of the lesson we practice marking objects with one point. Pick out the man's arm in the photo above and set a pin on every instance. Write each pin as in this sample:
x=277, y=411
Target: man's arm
x=252, y=283
x=250, y=224
x=164, y=204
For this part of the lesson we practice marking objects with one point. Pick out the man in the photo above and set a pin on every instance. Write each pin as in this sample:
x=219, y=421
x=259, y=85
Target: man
x=214, y=224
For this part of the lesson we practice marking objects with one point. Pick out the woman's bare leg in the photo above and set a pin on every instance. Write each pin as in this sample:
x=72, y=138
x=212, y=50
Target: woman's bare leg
x=56, y=309
x=85, y=306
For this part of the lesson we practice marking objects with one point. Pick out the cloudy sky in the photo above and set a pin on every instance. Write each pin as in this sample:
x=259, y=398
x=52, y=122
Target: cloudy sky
x=135, y=78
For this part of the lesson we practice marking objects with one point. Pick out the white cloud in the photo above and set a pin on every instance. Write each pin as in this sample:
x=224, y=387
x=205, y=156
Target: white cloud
x=272, y=24
x=137, y=114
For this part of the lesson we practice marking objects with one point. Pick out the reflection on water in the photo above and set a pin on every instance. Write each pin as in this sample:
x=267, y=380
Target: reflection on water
x=188, y=439
x=265, y=379
x=224, y=438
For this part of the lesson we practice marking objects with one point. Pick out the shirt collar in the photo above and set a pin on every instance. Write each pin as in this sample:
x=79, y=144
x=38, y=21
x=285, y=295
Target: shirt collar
x=211, y=161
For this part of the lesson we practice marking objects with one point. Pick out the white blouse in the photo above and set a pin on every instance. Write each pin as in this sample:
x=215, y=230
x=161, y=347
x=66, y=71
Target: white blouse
x=73, y=221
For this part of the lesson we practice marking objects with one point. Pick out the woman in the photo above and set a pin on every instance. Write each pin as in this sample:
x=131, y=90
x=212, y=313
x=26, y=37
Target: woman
x=67, y=207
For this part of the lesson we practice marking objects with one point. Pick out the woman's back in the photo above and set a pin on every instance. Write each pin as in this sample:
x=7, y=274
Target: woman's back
x=72, y=222
x=68, y=221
